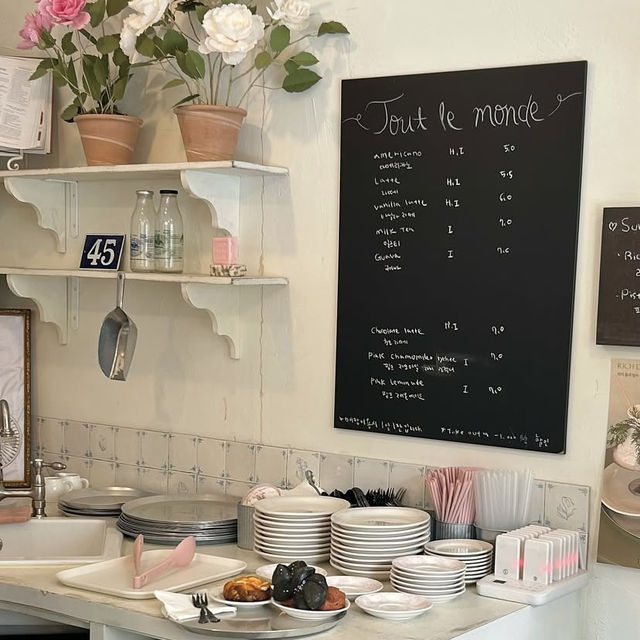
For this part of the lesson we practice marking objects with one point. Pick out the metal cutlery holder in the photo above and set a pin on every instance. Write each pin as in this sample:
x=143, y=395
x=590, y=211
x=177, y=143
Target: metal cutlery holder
x=245, y=526
x=456, y=530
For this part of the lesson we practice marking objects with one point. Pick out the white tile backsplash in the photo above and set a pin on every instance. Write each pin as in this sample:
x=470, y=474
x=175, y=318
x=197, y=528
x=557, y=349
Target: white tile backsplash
x=207, y=484
x=371, y=474
x=178, y=463
x=182, y=453
x=127, y=475
x=336, y=472
x=181, y=483
x=102, y=474
x=271, y=465
x=154, y=449
x=298, y=461
x=127, y=446
x=75, y=436
x=240, y=461
x=210, y=458
x=411, y=478
x=101, y=442
x=50, y=434
x=566, y=506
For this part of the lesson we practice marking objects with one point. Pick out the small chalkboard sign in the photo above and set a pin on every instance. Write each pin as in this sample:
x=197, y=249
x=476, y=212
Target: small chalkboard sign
x=459, y=200
x=619, y=290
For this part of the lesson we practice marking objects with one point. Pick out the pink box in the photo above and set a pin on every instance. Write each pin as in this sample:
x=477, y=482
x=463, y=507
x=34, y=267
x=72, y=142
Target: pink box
x=225, y=250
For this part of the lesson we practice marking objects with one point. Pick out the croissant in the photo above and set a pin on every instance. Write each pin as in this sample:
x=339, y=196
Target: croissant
x=247, y=589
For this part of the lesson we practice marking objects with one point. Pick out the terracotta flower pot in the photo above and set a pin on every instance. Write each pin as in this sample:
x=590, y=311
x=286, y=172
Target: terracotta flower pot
x=209, y=132
x=108, y=139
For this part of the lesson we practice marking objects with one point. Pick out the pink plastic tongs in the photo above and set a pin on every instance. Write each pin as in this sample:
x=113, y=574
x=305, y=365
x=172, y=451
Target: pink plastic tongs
x=181, y=556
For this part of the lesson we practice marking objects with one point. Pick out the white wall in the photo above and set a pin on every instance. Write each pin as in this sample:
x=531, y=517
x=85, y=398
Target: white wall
x=281, y=391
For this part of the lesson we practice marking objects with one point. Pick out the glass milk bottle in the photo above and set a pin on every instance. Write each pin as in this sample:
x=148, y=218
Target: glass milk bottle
x=169, y=241
x=142, y=236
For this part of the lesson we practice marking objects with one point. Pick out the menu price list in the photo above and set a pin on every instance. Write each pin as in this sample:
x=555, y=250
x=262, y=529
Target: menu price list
x=458, y=227
x=619, y=289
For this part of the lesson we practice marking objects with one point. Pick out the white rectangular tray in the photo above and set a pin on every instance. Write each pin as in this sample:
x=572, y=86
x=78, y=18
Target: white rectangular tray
x=115, y=577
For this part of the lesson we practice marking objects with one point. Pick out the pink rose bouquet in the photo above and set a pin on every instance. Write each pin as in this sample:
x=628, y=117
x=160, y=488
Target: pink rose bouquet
x=93, y=66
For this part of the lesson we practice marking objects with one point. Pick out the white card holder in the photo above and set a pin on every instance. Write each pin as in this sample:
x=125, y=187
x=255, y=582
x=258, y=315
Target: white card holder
x=573, y=558
x=538, y=561
x=557, y=558
x=507, y=556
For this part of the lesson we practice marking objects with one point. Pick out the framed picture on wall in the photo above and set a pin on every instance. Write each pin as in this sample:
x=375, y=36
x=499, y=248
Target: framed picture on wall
x=15, y=388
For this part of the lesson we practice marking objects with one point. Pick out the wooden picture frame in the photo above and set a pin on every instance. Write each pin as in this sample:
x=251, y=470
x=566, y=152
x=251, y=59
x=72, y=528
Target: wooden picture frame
x=15, y=388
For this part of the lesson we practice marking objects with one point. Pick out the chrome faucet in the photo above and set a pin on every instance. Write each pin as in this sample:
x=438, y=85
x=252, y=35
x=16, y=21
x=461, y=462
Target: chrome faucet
x=37, y=489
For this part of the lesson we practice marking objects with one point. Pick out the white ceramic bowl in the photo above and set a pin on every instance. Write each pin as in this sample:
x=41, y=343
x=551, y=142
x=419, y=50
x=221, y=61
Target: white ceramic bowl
x=302, y=614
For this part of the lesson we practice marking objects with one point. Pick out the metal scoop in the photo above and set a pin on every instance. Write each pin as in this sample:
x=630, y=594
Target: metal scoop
x=117, y=340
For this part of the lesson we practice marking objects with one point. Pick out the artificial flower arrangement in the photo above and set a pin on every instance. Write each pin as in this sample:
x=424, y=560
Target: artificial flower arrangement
x=210, y=45
x=82, y=42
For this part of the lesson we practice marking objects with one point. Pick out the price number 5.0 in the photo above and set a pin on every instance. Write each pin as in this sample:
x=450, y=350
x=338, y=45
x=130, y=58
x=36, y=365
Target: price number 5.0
x=102, y=252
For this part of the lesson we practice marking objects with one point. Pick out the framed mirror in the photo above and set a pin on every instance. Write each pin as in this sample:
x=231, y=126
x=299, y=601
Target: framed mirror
x=15, y=388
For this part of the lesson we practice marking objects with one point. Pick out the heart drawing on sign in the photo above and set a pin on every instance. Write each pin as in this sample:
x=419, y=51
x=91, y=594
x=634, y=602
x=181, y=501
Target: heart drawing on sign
x=613, y=226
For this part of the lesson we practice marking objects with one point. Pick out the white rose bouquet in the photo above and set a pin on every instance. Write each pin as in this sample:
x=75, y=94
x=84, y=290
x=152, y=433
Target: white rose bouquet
x=210, y=45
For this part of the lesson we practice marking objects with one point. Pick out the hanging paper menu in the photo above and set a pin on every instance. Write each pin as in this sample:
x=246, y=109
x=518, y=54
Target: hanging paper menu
x=458, y=229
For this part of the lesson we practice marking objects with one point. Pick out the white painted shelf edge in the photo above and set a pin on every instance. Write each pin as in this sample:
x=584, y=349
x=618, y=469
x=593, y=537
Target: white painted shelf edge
x=54, y=195
x=136, y=171
x=54, y=192
x=179, y=278
x=56, y=294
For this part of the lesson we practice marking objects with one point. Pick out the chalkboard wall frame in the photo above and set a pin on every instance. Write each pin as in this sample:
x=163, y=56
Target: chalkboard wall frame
x=459, y=205
x=619, y=285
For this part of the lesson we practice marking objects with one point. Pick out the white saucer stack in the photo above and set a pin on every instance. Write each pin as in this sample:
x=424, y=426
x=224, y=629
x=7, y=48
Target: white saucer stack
x=291, y=528
x=365, y=540
x=477, y=555
x=438, y=579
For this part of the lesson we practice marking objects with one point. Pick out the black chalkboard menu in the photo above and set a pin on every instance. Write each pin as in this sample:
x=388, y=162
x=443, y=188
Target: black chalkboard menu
x=619, y=292
x=459, y=199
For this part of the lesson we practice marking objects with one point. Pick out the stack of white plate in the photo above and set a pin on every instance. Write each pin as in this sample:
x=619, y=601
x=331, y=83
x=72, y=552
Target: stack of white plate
x=365, y=540
x=294, y=527
x=476, y=554
x=438, y=579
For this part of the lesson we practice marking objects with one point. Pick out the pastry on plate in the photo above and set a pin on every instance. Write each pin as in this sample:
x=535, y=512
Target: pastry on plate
x=247, y=589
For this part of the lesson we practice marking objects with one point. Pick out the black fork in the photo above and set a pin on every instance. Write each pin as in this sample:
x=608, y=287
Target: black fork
x=201, y=601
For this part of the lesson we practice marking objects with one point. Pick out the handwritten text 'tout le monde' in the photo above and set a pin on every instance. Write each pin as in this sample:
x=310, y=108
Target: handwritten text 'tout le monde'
x=392, y=117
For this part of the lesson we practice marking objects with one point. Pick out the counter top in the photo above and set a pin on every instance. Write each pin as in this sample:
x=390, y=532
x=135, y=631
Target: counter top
x=36, y=590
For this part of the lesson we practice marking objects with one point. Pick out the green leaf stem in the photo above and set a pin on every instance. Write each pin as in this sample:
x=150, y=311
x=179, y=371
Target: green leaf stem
x=331, y=27
x=300, y=80
x=96, y=12
x=280, y=38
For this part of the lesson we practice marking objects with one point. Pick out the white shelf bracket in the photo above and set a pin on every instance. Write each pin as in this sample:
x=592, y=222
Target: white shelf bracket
x=222, y=305
x=51, y=295
x=55, y=202
x=220, y=192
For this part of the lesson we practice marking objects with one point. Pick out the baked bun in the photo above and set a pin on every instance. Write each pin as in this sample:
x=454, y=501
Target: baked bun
x=335, y=600
x=247, y=589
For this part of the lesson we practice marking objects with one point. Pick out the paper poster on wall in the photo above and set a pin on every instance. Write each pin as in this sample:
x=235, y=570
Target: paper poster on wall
x=619, y=536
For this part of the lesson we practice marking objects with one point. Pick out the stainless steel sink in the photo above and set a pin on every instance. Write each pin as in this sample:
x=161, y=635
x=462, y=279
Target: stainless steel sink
x=51, y=541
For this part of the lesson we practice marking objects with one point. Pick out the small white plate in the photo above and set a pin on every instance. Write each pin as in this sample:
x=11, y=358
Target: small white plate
x=353, y=586
x=266, y=570
x=388, y=518
x=394, y=606
x=366, y=573
x=428, y=565
x=303, y=614
x=287, y=558
x=381, y=534
x=216, y=594
x=459, y=547
x=300, y=507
